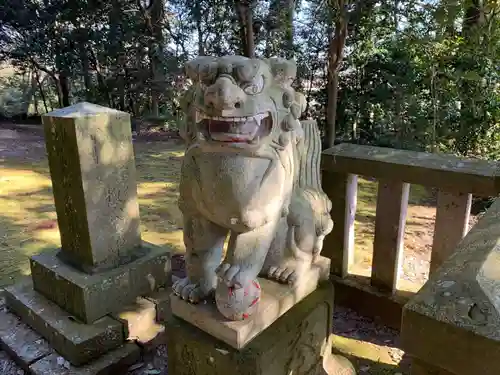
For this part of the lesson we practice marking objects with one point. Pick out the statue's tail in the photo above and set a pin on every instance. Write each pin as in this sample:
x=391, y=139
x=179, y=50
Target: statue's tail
x=309, y=175
x=309, y=180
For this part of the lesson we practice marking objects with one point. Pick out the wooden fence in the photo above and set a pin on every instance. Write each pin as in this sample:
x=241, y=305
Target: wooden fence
x=456, y=179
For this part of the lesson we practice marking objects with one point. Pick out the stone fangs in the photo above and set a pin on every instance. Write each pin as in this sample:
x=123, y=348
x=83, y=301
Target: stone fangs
x=236, y=129
x=259, y=117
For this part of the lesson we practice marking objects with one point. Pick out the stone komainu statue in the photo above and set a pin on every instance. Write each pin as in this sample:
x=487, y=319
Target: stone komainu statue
x=251, y=171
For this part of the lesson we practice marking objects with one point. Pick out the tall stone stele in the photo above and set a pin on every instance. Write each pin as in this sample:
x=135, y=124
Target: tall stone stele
x=102, y=265
x=251, y=173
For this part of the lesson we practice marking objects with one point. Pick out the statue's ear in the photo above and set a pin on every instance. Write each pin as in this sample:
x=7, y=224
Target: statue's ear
x=283, y=69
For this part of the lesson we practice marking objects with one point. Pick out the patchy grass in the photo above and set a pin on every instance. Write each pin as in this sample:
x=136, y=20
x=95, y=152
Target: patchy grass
x=28, y=222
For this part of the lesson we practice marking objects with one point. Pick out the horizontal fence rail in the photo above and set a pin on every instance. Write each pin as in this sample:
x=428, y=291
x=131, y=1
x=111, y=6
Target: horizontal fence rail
x=456, y=179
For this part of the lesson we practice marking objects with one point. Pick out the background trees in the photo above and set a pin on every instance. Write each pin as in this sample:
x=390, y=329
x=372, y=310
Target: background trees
x=415, y=74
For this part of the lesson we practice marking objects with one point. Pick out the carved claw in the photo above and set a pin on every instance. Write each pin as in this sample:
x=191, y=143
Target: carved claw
x=189, y=291
x=285, y=275
x=232, y=275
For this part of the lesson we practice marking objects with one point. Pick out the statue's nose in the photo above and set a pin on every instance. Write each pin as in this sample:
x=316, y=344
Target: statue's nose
x=224, y=95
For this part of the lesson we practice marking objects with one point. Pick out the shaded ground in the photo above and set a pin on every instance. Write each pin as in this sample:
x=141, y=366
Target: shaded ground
x=27, y=214
x=28, y=224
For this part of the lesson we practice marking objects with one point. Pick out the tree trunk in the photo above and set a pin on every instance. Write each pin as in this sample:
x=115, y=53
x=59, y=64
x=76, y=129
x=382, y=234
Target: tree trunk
x=331, y=109
x=82, y=47
x=201, y=47
x=40, y=88
x=471, y=23
x=29, y=91
x=250, y=38
x=154, y=17
x=335, y=55
x=244, y=9
x=64, y=89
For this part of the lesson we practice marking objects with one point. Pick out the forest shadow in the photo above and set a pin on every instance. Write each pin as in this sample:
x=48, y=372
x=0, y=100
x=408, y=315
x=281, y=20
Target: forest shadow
x=158, y=173
x=28, y=221
x=373, y=348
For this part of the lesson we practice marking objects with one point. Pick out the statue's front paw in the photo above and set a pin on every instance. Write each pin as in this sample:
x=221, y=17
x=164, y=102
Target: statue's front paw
x=191, y=292
x=285, y=274
x=234, y=275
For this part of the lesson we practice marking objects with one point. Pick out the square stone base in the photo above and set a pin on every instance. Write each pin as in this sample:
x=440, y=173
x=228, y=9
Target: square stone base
x=34, y=327
x=276, y=299
x=37, y=357
x=89, y=297
x=297, y=343
x=112, y=363
x=78, y=343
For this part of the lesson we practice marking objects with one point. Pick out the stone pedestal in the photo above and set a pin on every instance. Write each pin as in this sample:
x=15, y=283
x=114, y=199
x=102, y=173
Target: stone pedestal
x=296, y=343
x=92, y=304
x=276, y=299
x=89, y=297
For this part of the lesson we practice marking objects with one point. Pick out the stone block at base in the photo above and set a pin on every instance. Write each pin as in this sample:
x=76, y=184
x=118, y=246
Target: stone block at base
x=295, y=343
x=276, y=300
x=89, y=297
x=78, y=343
x=140, y=323
x=161, y=299
x=113, y=363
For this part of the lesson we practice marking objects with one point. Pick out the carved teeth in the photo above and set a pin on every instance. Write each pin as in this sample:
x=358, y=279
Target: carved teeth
x=258, y=118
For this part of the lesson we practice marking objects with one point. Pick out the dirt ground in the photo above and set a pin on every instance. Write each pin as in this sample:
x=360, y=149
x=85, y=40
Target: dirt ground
x=28, y=224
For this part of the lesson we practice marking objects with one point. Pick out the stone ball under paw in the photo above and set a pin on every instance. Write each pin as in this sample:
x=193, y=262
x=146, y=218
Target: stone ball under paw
x=238, y=304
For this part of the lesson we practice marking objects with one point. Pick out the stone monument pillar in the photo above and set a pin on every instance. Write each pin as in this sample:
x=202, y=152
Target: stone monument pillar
x=76, y=294
x=251, y=173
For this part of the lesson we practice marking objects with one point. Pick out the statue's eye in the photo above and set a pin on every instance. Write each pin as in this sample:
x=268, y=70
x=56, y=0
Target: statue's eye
x=255, y=87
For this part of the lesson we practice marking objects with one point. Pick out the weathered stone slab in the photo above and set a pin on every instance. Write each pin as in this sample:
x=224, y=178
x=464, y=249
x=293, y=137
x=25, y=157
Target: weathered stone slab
x=141, y=326
x=276, y=300
x=453, y=323
x=421, y=368
x=161, y=299
x=113, y=363
x=23, y=344
x=295, y=343
x=78, y=343
x=90, y=297
x=92, y=167
x=446, y=172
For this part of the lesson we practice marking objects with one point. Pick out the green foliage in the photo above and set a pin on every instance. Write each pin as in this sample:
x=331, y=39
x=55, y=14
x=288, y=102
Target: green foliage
x=416, y=75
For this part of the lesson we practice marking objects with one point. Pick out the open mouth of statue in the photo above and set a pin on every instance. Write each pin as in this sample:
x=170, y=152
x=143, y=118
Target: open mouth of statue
x=237, y=129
